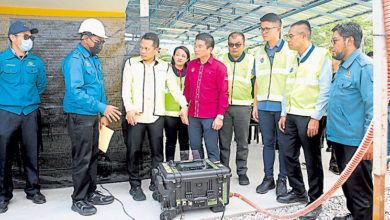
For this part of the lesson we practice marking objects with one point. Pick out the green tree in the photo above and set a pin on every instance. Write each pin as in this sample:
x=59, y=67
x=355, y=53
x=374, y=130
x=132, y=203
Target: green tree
x=321, y=36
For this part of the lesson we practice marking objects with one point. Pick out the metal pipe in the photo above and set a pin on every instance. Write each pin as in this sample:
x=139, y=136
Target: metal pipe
x=380, y=107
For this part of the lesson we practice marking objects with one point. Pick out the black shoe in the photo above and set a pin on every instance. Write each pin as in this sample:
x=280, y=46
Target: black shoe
x=347, y=217
x=137, y=193
x=97, y=198
x=37, y=198
x=281, y=187
x=313, y=214
x=83, y=208
x=267, y=184
x=334, y=169
x=292, y=197
x=152, y=187
x=3, y=206
x=243, y=179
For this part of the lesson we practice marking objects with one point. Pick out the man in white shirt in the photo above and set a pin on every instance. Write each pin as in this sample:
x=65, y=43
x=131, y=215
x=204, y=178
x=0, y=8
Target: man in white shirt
x=143, y=93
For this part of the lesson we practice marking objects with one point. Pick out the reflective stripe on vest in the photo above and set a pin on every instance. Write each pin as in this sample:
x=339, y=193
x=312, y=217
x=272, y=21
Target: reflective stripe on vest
x=303, y=85
x=172, y=108
x=239, y=76
x=271, y=81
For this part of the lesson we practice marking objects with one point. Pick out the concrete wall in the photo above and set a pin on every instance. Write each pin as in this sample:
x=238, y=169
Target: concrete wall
x=56, y=38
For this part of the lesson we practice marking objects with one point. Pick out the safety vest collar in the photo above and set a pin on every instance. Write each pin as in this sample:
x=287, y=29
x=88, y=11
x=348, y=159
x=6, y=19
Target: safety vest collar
x=177, y=74
x=154, y=64
x=238, y=60
x=156, y=61
x=307, y=55
x=279, y=45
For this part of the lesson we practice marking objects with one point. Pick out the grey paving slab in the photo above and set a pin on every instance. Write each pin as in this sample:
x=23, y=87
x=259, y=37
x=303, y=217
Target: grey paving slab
x=59, y=200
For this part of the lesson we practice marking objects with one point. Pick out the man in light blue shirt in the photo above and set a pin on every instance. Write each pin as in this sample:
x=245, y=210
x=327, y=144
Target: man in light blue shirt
x=350, y=112
x=84, y=99
x=22, y=81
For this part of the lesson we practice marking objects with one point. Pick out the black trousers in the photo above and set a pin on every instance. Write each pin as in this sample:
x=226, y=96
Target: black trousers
x=135, y=137
x=10, y=123
x=84, y=135
x=358, y=189
x=174, y=128
x=295, y=137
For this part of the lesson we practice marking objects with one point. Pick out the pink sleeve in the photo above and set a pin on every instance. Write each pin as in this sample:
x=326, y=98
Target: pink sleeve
x=223, y=91
x=187, y=87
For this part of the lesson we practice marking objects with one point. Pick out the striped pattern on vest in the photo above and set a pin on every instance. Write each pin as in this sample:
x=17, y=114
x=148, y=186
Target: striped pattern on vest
x=239, y=75
x=271, y=81
x=303, y=87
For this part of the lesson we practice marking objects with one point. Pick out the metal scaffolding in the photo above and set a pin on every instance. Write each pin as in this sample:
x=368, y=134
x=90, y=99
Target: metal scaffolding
x=180, y=20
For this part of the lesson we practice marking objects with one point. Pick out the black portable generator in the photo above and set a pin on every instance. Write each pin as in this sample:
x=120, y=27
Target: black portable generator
x=191, y=185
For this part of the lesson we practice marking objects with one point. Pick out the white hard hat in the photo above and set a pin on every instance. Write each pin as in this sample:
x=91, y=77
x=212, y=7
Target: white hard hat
x=94, y=26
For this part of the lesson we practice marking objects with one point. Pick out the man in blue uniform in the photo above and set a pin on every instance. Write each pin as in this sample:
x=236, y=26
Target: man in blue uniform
x=350, y=111
x=84, y=99
x=22, y=80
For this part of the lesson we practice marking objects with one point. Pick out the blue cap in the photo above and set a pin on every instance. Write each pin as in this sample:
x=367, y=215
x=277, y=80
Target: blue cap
x=19, y=27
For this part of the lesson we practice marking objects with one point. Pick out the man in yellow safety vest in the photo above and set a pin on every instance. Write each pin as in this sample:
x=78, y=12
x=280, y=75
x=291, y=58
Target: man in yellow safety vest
x=273, y=61
x=307, y=93
x=240, y=68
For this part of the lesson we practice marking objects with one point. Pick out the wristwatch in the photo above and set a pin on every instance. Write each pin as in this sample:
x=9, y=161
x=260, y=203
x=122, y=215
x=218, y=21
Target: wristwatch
x=220, y=117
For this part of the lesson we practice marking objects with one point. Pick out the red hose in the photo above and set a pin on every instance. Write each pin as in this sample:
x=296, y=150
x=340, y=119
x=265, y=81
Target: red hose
x=353, y=163
x=386, y=10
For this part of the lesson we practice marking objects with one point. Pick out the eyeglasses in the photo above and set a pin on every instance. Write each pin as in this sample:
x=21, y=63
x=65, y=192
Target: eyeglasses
x=266, y=29
x=334, y=40
x=289, y=36
x=100, y=41
x=26, y=36
x=95, y=39
x=237, y=45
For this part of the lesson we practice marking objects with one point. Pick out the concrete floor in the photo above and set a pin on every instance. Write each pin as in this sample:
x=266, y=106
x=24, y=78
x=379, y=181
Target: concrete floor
x=59, y=200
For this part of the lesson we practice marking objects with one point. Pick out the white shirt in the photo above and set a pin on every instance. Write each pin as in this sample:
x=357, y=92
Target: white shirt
x=147, y=116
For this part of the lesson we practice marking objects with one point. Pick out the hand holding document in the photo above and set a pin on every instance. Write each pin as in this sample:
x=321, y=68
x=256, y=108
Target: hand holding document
x=105, y=135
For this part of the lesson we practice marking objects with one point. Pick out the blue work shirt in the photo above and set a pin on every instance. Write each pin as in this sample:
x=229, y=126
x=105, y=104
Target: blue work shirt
x=350, y=106
x=22, y=80
x=84, y=85
x=271, y=105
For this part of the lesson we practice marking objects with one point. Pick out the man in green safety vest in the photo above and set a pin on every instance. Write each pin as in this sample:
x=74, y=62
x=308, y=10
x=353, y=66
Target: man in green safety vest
x=307, y=93
x=273, y=61
x=240, y=66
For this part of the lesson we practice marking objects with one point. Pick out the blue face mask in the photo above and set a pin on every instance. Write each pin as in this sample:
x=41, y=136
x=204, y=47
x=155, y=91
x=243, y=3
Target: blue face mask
x=26, y=45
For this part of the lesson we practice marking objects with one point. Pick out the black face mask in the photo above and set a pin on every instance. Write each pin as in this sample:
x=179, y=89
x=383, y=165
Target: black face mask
x=96, y=48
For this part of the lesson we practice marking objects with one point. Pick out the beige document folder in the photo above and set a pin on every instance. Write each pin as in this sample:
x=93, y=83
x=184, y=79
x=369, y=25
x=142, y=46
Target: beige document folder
x=105, y=135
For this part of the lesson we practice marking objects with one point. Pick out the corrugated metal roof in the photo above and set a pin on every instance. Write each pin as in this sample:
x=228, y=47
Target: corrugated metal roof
x=181, y=20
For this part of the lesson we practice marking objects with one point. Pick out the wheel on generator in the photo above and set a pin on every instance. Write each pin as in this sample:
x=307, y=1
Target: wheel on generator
x=154, y=195
x=166, y=215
